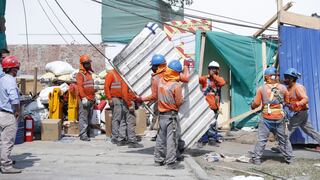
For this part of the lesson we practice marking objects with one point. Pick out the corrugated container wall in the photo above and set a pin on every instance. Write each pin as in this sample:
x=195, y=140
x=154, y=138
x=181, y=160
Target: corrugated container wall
x=300, y=49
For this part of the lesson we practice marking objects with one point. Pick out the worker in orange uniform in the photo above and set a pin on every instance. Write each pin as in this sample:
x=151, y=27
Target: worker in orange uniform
x=211, y=85
x=169, y=101
x=272, y=96
x=86, y=90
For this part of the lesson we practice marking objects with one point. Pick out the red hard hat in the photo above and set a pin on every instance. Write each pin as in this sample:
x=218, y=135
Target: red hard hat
x=10, y=62
x=84, y=58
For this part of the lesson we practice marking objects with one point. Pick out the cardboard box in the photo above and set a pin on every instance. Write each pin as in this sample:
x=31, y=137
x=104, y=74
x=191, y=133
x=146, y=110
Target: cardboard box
x=108, y=122
x=141, y=121
x=73, y=128
x=51, y=129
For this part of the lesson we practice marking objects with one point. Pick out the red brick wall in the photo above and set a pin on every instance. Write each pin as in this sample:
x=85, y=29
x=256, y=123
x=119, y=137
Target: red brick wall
x=40, y=55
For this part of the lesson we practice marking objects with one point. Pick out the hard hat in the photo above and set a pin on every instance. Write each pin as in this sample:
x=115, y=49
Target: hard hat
x=157, y=59
x=214, y=64
x=175, y=65
x=10, y=62
x=270, y=71
x=84, y=58
x=292, y=72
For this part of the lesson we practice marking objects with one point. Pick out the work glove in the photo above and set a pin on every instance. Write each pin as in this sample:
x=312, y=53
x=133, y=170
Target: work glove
x=139, y=100
x=84, y=101
x=189, y=63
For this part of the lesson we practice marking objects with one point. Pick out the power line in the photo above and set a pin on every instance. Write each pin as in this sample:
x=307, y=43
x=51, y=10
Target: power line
x=184, y=14
x=74, y=40
x=26, y=25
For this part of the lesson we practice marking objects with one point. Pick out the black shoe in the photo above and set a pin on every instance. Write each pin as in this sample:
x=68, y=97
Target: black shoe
x=10, y=170
x=180, y=158
x=275, y=150
x=138, y=138
x=114, y=141
x=85, y=139
x=158, y=164
x=255, y=161
x=175, y=165
x=122, y=143
x=135, y=145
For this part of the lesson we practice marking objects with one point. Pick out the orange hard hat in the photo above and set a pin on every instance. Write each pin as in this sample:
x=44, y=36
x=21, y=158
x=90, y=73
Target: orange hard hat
x=84, y=58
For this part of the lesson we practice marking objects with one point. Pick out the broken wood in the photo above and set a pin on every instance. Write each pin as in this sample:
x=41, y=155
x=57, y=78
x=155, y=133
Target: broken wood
x=299, y=20
x=272, y=20
x=241, y=116
x=203, y=44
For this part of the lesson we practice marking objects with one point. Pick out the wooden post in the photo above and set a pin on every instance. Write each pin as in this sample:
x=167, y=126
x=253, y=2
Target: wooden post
x=23, y=86
x=264, y=54
x=279, y=9
x=35, y=80
x=203, y=44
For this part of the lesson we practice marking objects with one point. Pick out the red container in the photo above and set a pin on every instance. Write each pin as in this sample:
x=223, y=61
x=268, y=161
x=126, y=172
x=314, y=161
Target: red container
x=29, y=128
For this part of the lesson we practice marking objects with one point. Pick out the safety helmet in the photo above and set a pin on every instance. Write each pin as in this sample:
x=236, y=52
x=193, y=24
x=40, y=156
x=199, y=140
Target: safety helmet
x=175, y=65
x=85, y=58
x=157, y=59
x=270, y=71
x=10, y=62
x=213, y=64
x=292, y=72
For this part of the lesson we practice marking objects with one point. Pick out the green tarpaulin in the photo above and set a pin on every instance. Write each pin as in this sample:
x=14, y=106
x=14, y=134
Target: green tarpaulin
x=243, y=55
x=120, y=25
x=3, y=43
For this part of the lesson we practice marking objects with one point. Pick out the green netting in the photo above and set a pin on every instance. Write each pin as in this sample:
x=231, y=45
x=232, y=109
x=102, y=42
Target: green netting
x=2, y=7
x=243, y=55
x=3, y=43
x=120, y=26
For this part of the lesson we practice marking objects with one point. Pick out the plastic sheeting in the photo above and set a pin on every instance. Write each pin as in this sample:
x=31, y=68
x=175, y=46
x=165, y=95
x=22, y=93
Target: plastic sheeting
x=120, y=26
x=243, y=55
x=300, y=49
x=3, y=43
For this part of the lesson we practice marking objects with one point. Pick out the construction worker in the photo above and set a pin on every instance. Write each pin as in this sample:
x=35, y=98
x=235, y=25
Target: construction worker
x=86, y=90
x=169, y=101
x=272, y=96
x=211, y=85
x=9, y=111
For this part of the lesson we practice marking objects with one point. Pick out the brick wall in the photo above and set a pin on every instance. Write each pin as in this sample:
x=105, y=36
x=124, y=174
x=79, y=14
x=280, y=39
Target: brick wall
x=40, y=55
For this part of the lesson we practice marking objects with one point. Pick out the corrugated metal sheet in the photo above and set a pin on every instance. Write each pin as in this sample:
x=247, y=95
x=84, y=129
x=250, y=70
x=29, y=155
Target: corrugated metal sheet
x=300, y=49
x=134, y=64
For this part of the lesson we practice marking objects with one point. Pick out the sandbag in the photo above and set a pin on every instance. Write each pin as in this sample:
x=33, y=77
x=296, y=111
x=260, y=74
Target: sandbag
x=44, y=94
x=59, y=68
x=48, y=77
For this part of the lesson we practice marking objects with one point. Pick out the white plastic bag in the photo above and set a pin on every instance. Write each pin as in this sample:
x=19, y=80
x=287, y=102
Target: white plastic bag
x=44, y=94
x=59, y=68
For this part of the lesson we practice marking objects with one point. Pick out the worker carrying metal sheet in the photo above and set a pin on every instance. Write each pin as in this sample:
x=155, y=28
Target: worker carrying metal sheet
x=211, y=85
x=86, y=90
x=272, y=95
x=9, y=111
x=169, y=101
x=298, y=106
x=120, y=99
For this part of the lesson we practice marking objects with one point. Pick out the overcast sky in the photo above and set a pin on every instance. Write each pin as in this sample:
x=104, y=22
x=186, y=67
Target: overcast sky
x=87, y=15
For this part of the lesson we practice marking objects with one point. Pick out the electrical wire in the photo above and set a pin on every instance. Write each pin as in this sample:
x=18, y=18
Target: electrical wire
x=74, y=40
x=184, y=14
x=52, y=22
x=26, y=25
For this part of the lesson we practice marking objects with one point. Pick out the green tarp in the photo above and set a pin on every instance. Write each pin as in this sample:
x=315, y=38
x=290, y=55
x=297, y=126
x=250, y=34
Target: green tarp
x=243, y=55
x=3, y=43
x=121, y=26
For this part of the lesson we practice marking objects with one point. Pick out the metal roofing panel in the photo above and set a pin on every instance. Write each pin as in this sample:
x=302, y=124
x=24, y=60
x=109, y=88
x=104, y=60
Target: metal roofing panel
x=300, y=49
x=134, y=64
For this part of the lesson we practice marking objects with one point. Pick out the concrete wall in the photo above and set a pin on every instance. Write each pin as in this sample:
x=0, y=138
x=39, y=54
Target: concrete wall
x=40, y=55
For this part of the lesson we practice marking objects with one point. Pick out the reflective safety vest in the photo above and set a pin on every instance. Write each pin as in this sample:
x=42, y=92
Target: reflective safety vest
x=166, y=99
x=272, y=99
x=87, y=82
x=115, y=87
x=87, y=88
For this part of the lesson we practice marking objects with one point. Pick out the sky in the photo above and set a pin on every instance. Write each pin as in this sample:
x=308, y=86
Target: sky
x=87, y=16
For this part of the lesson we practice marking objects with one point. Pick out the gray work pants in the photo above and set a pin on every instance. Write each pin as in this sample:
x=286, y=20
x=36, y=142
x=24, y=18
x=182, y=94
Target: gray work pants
x=85, y=116
x=277, y=128
x=300, y=119
x=9, y=127
x=166, y=149
x=117, y=118
x=155, y=118
x=128, y=125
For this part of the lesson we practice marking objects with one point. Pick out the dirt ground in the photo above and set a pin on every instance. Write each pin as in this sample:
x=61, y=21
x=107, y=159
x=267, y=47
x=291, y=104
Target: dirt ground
x=272, y=167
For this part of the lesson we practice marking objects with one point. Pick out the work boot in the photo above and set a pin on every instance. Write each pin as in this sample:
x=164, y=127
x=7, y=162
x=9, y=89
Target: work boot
x=288, y=160
x=122, y=143
x=134, y=145
x=10, y=170
x=158, y=164
x=114, y=141
x=86, y=138
x=275, y=150
x=180, y=158
x=175, y=165
x=255, y=161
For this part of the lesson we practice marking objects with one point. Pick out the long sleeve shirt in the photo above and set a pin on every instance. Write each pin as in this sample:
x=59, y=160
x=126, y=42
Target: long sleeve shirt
x=9, y=92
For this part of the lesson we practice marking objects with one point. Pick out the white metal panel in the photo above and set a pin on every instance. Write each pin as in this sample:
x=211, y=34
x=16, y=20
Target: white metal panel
x=134, y=64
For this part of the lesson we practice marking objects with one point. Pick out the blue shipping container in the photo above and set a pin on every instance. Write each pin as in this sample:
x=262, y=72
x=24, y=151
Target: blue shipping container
x=300, y=49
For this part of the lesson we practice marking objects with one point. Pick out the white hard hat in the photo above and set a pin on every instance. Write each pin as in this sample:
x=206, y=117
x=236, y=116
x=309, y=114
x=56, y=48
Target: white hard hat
x=214, y=64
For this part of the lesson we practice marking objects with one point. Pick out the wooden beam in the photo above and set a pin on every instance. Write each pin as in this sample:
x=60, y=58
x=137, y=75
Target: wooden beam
x=271, y=21
x=203, y=44
x=35, y=80
x=299, y=20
